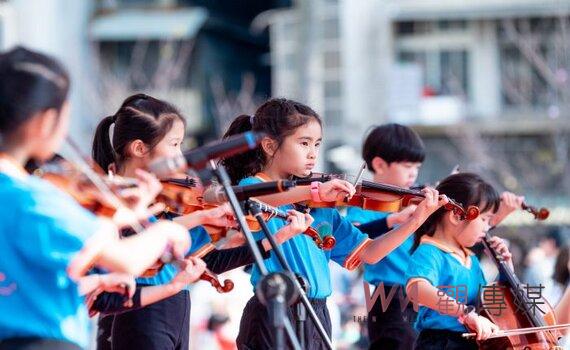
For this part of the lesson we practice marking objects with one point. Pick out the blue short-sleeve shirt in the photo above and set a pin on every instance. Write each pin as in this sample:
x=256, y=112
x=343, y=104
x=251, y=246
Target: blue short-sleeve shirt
x=391, y=270
x=42, y=228
x=304, y=257
x=436, y=263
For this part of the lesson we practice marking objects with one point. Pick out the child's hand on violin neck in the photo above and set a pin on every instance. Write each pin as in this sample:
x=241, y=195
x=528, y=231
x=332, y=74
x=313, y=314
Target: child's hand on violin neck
x=509, y=203
x=191, y=270
x=401, y=216
x=429, y=205
x=297, y=223
x=138, y=199
x=499, y=245
x=481, y=325
x=335, y=189
x=221, y=216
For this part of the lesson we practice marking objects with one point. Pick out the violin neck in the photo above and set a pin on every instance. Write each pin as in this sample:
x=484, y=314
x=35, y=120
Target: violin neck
x=370, y=185
x=514, y=284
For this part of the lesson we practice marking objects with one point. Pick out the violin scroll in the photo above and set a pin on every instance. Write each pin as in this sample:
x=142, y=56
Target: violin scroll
x=210, y=277
x=540, y=214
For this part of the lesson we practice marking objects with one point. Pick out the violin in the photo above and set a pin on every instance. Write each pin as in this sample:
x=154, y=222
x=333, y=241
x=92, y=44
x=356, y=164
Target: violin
x=182, y=195
x=383, y=197
x=211, y=278
x=539, y=213
x=516, y=315
x=327, y=242
x=67, y=177
x=207, y=275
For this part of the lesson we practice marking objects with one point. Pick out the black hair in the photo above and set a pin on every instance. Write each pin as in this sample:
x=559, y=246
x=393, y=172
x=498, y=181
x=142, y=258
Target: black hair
x=278, y=118
x=140, y=117
x=466, y=189
x=555, y=234
x=393, y=143
x=30, y=82
x=561, y=273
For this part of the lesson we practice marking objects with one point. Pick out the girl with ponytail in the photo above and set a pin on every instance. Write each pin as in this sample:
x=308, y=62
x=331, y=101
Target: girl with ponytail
x=294, y=134
x=46, y=238
x=143, y=130
x=441, y=260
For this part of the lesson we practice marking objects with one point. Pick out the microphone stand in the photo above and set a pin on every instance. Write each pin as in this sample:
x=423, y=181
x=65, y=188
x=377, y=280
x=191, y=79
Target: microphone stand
x=253, y=208
x=276, y=289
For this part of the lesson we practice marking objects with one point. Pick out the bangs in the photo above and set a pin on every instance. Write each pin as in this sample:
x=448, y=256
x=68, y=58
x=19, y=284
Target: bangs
x=487, y=198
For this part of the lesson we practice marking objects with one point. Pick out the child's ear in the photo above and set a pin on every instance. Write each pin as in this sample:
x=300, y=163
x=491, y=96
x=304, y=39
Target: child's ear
x=269, y=146
x=379, y=165
x=47, y=122
x=138, y=149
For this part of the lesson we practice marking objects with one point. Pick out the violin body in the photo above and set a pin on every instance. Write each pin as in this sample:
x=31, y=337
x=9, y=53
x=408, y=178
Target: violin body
x=512, y=318
x=381, y=197
x=64, y=175
x=517, y=312
x=327, y=242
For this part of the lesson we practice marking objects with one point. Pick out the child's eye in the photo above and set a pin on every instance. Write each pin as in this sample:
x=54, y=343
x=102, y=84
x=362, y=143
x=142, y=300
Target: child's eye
x=305, y=143
x=318, y=144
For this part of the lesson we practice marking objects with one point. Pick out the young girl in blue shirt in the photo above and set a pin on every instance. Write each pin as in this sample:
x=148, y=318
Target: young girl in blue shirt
x=291, y=147
x=46, y=238
x=445, y=277
x=146, y=129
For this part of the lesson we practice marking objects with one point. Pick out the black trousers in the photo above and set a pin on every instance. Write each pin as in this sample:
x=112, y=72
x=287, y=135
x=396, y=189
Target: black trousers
x=392, y=329
x=164, y=325
x=255, y=331
x=432, y=339
x=31, y=343
x=104, y=330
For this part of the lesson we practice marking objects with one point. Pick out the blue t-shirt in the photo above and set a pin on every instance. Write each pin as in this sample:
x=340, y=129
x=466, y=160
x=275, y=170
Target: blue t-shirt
x=435, y=262
x=41, y=229
x=391, y=270
x=303, y=255
x=200, y=241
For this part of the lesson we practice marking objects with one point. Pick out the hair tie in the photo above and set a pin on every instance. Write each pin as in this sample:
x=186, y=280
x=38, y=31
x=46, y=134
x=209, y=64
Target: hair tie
x=251, y=117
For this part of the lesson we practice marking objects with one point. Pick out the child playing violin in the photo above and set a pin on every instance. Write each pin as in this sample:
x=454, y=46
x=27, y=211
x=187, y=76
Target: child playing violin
x=43, y=229
x=291, y=148
x=394, y=154
x=443, y=271
x=147, y=129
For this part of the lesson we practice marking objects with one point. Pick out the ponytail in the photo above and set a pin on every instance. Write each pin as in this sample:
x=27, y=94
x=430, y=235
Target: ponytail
x=140, y=117
x=278, y=118
x=245, y=164
x=102, y=150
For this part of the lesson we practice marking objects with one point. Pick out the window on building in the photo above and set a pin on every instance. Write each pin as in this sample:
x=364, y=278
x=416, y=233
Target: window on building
x=440, y=49
x=445, y=72
x=534, y=62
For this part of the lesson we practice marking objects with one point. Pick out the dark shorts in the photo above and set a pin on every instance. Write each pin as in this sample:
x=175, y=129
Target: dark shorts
x=164, y=325
x=255, y=332
x=393, y=328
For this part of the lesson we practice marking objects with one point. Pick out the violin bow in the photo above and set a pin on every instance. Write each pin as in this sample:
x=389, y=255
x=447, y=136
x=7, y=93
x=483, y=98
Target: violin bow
x=83, y=166
x=358, y=178
x=520, y=331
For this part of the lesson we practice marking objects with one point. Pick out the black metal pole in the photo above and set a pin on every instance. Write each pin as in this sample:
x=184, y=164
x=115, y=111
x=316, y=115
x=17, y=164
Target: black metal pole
x=256, y=212
x=224, y=180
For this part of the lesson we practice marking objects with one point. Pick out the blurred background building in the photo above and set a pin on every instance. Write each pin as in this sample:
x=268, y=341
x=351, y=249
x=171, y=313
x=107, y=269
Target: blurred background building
x=485, y=83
